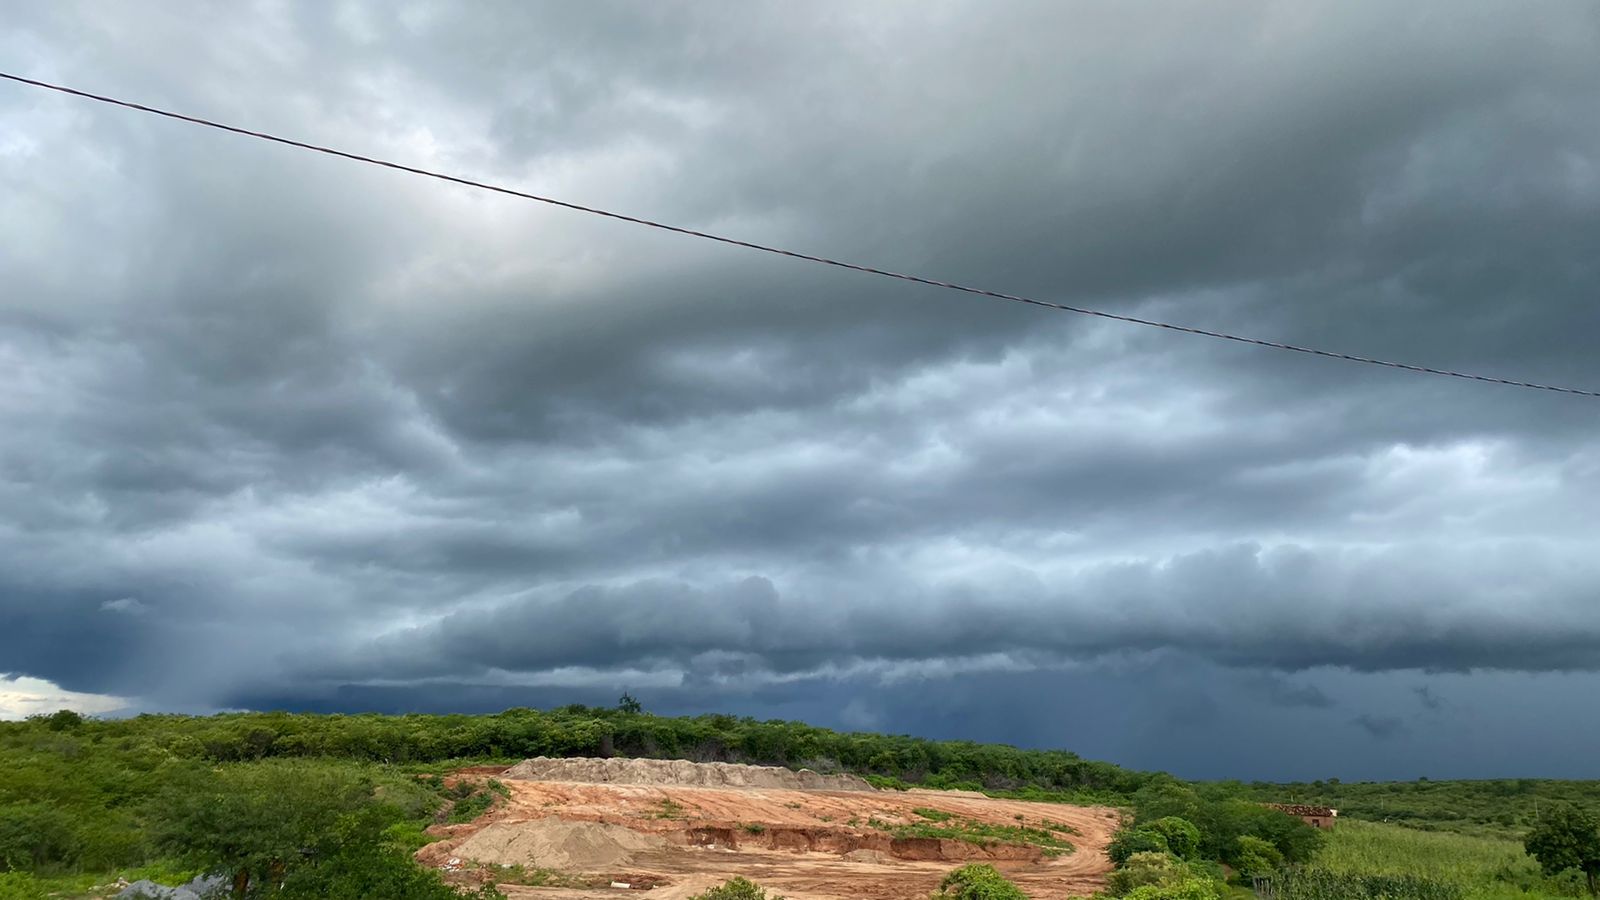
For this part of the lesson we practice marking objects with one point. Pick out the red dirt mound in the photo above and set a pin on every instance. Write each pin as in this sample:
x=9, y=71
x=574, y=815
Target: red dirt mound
x=803, y=844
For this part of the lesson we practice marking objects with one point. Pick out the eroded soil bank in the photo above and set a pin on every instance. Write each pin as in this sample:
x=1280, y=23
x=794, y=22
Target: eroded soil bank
x=645, y=827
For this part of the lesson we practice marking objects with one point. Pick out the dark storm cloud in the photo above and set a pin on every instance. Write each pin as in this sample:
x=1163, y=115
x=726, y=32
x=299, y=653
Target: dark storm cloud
x=1282, y=692
x=330, y=435
x=1380, y=727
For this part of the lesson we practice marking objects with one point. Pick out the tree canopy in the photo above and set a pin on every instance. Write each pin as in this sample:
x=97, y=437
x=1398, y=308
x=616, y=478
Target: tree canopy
x=1567, y=838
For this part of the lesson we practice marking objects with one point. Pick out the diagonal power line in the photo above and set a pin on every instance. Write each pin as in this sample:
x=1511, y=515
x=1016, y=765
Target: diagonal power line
x=779, y=251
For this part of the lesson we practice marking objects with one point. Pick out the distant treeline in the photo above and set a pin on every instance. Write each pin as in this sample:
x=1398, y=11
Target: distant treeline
x=1502, y=807
x=590, y=731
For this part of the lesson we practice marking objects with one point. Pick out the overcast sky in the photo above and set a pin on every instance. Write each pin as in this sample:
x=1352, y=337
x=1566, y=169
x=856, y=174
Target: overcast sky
x=283, y=431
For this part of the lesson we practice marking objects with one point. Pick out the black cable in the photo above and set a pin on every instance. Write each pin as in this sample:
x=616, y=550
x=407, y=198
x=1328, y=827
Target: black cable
x=870, y=270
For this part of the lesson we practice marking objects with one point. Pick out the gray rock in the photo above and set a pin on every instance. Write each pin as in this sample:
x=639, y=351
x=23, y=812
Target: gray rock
x=208, y=886
x=145, y=889
x=203, y=887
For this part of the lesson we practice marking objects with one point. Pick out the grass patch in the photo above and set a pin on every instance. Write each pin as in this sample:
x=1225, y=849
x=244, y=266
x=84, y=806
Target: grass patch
x=104, y=884
x=408, y=836
x=469, y=807
x=1483, y=868
x=753, y=828
x=667, y=809
x=946, y=826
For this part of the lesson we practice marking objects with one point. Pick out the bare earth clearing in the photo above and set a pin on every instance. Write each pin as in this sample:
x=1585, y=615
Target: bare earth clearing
x=679, y=839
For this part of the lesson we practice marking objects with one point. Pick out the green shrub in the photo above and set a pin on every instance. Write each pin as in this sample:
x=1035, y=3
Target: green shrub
x=1187, y=889
x=1223, y=819
x=470, y=808
x=1254, y=857
x=1129, y=841
x=1166, y=796
x=20, y=886
x=256, y=820
x=356, y=861
x=737, y=888
x=1566, y=883
x=978, y=882
x=1182, y=837
x=36, y=836
x=1567, y=838
x=1208, y=869
x=1146, y=869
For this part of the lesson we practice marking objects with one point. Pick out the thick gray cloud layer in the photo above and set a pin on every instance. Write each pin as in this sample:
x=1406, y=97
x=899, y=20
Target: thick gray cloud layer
x=279, y=430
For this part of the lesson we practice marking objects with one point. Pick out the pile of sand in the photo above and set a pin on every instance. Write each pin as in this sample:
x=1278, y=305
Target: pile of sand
x=869, y=856
x=554, y=844
x=679, y=772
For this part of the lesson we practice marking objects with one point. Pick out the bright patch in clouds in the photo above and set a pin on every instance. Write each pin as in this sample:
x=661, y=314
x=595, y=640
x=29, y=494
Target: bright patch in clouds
x=21, y=696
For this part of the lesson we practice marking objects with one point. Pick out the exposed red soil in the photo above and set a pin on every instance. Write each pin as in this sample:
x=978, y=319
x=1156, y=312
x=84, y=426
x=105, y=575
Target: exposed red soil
x=795, y=842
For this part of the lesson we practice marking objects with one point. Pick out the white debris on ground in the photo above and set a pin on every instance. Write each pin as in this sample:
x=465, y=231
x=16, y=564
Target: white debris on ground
x=679, y=772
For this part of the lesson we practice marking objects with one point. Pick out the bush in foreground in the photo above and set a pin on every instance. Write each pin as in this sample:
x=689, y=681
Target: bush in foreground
x=1187, y=889
x=1254, y=857
x=737, y=888
x=357, y=862
x=978, y=882
x=1181, y=835
x=1145, y=869
x=20, y=886
x=1567, y=838
x=1162, y=876
x=1129, y=841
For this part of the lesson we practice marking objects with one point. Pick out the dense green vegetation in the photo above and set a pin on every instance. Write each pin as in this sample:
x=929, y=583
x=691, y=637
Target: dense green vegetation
x=82, y=801
x=276, y=797
x=95, y=797
x=1220, y=818
x=306, y=805
x=1153, y=875
x=1321, y=884
x=1567, y=839
x=1426, y=864
x=586, y=731
x=1506, y=807
x=1181, y=837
